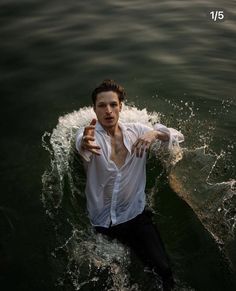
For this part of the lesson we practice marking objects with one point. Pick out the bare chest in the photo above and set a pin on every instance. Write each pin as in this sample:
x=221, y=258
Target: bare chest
x=118, y=151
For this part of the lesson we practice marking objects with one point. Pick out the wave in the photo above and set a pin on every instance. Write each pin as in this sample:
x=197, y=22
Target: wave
x=90, y=259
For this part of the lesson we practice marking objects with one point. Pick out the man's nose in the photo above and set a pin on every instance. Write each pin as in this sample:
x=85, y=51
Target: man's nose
x=108, y=109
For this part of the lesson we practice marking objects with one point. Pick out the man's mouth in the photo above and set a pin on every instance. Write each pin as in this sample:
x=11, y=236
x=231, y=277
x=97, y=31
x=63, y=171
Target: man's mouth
x=109, y=118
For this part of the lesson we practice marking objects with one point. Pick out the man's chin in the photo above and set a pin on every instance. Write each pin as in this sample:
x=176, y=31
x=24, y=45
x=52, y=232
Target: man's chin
x=109, y=124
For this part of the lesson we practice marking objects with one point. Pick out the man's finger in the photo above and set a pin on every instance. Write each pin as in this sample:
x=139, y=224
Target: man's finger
x=147, y=147
x=89, y=127
x=94, y=152
x=135, y=145
x=89, y=130
x=142, y=150
x=93, y=122
x=139, y=146
x=88, y=146
x=88, y=137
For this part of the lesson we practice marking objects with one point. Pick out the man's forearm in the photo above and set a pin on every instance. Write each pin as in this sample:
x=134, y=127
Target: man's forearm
x=163, y=136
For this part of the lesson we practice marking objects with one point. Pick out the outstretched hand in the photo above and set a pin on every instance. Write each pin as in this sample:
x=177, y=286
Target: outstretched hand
x=144, y=142
x=88, y=139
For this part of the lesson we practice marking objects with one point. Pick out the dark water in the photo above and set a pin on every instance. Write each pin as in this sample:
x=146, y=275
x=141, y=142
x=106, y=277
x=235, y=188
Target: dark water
x=172, y=58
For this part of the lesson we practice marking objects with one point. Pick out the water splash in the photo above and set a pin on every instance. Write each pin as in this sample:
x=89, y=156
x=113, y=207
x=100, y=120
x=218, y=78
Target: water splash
x=93, y=261
x=90, y=259
x=64, y=201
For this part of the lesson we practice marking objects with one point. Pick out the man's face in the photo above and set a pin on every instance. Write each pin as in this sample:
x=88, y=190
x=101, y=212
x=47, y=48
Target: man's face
x=107, y=108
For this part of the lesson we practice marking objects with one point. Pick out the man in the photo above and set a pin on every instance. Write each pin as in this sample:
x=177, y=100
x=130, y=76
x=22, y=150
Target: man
x=115, y=160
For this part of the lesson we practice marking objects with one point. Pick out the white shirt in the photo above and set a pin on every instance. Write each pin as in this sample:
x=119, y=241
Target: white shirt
x=116, y=195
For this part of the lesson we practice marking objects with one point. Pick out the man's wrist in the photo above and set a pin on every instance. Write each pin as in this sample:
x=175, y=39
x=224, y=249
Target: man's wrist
x=156, y=134
x=161, y=135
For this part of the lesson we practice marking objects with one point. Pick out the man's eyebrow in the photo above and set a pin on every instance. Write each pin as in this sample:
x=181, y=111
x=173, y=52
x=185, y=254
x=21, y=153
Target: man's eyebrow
x=112, y=102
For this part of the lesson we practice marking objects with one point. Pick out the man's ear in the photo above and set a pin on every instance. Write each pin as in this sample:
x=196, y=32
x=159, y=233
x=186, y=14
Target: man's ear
x=120, y=106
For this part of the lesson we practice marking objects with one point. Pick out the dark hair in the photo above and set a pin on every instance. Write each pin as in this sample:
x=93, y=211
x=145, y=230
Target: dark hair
x=109, y=85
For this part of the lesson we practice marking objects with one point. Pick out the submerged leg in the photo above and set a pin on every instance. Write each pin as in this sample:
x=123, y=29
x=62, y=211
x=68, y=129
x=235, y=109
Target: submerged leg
x=148, y=245
x=143, y=237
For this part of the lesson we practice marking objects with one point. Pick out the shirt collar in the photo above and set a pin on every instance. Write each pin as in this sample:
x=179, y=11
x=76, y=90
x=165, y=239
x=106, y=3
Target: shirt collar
x=99, y=127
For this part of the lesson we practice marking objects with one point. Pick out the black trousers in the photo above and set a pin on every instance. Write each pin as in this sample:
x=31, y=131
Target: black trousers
x=141, y=235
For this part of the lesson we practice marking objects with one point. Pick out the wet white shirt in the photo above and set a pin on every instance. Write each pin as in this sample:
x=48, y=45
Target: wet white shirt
x=116, y=195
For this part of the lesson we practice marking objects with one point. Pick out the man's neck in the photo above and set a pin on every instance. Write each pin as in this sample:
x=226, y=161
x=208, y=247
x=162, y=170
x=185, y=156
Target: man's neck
x=112, y=131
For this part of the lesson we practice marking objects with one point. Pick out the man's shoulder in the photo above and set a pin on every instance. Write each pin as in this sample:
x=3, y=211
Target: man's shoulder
x=135, y=125
x=136, y=128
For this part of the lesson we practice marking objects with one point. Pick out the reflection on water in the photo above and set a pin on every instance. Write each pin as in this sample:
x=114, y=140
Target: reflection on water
x=172, y=59
x=164, y=42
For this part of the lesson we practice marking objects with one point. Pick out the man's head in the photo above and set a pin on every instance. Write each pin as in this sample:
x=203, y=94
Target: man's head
x=109, y=85
x=107, y=105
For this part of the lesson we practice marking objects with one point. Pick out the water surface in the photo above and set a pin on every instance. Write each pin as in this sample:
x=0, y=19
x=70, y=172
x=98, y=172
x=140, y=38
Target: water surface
x=172, y=59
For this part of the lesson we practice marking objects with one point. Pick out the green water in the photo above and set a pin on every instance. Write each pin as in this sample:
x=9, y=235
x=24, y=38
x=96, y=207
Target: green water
x=165, y=54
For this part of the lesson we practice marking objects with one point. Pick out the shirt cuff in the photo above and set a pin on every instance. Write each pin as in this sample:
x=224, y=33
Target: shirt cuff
x=175, y=137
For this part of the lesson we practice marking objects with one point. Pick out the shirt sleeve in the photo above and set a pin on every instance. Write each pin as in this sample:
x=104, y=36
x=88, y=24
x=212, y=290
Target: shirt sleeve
x=86, y=155
x=175, y=137
x=142, y=129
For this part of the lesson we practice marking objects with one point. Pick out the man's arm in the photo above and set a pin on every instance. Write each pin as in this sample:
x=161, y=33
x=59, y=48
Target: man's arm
x=168, y=136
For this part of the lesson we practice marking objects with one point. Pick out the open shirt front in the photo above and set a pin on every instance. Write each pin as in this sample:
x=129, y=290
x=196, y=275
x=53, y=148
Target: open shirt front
x=116, y=195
